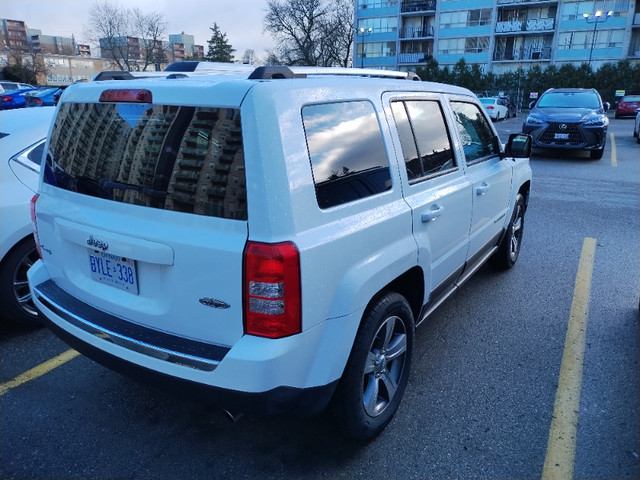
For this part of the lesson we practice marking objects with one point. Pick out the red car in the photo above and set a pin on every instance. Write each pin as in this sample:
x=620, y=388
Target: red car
x=627, y=106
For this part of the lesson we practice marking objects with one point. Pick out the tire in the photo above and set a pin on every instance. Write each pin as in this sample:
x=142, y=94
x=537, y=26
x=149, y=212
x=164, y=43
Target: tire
x=378, y=368
x=509, y=249
x=15, y=296
x=596, y=154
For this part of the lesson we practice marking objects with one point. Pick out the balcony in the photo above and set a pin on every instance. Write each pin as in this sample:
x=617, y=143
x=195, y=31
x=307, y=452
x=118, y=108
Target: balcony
x=517, y=26
x=418, y=6
x=526, y=53
x=413, y=58
x=416, y=32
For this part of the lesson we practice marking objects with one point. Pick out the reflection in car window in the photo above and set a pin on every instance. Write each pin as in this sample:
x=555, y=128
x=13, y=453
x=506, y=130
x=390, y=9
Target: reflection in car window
x=570, y=100
x=478, y=140
x=186, y=159
x=348, y=156
x=424, y=138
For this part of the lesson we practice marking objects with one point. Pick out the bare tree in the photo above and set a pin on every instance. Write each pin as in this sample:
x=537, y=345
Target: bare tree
x=300, y=29
x=339, y=30
x=129, y=37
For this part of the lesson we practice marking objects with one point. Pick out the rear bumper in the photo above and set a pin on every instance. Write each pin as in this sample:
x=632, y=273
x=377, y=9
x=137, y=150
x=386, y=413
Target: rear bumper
x=280, y=400
x=187, y=367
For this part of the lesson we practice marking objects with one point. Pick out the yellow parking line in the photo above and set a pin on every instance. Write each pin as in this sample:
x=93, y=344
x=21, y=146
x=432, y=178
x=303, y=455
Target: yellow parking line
x=614, y=153
x=561, y=446
x=38, y=371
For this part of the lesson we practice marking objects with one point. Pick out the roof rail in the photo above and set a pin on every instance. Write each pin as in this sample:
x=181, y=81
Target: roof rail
x=278, y=72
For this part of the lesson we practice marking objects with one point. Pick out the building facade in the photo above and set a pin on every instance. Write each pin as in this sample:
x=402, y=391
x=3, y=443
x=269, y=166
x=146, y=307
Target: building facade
x=498, y=35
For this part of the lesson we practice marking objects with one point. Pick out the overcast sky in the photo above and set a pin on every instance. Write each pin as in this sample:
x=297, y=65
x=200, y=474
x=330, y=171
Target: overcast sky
x=241, y=20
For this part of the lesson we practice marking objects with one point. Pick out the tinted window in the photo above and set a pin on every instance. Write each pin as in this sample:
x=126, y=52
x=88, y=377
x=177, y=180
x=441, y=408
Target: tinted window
x=478, y=140
x=187, y=159
x=347, y=152
x=570, y=100
x=425, y=141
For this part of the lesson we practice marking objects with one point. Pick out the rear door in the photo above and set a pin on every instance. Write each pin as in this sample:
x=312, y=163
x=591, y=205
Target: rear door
x=143, y=214
x=436, y=188
x=489, y=175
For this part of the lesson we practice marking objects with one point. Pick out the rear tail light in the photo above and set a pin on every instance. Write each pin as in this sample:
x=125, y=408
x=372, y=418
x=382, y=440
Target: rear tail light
x=32, y=205
x=37, y=101
x=272, y=304
x=4, y=98
x=489, y=108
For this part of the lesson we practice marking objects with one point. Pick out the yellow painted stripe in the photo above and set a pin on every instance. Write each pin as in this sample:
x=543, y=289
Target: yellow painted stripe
x=38, y=371
x=561, y=446
x=614, y=153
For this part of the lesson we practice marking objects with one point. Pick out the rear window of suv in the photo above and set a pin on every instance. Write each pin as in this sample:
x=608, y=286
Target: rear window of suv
x=180, y=158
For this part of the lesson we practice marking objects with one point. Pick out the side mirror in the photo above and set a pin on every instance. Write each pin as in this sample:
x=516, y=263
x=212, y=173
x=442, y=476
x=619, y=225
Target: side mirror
x=518, y=146
x=606, y=106
x=532, y=104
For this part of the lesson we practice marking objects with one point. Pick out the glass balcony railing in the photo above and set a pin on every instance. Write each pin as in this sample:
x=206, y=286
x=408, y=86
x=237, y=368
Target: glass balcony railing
x=534, y=25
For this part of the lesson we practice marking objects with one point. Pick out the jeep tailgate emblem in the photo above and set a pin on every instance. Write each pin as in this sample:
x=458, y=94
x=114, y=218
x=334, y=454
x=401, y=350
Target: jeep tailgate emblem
x=101, y=244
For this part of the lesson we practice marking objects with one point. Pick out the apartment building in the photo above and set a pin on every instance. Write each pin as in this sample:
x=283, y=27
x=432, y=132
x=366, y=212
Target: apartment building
x=499, y=35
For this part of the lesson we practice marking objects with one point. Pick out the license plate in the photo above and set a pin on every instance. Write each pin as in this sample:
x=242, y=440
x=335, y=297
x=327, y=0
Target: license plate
x=561, y=136
x=113, y=270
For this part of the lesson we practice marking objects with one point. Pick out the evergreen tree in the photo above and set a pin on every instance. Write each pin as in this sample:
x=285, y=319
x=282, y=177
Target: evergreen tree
x=219, y=48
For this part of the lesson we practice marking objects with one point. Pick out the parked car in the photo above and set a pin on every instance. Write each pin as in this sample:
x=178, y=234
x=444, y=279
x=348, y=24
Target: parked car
x=15, y=98
x=496, y=108
x=511, y=107
x=627, y=106
x=271, y=239
x=7, y=86
x=569, y=118
x=636, y=126
x=41, y=98
x=22, y=136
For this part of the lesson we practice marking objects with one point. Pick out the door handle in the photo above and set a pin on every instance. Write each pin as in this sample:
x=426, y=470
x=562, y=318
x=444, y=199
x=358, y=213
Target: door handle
x=482, y=189
x=435, y=212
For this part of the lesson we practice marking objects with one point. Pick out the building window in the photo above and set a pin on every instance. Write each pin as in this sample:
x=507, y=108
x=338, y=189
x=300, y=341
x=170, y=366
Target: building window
x=377, y=49
x=466, y=18
x=458, y=46
x=379, y=24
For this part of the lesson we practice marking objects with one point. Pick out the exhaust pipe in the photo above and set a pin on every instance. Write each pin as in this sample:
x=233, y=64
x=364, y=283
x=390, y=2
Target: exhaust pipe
x=233, y=417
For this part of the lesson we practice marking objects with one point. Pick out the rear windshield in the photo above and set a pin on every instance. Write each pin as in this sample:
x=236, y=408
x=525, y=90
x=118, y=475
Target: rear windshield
x=570, y=100
x=631, y=98
x=185, y=159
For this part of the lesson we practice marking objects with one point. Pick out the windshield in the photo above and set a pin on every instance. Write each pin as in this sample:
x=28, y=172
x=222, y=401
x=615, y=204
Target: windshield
x=570, y=100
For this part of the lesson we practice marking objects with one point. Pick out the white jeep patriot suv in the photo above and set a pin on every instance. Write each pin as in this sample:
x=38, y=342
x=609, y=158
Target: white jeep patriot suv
x=271, y=240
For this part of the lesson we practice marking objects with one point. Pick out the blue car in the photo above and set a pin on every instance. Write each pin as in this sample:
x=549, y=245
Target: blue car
x=14, y=99
x=42, y=98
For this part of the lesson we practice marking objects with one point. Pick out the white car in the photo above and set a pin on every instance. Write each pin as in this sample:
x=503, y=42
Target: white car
x=270, y=240
x=7, y=86
x=22, y=135
x=636, y=127
x=496, y=108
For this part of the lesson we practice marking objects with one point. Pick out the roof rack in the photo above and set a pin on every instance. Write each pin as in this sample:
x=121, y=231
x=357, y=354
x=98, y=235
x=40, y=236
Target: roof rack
x=279, y=71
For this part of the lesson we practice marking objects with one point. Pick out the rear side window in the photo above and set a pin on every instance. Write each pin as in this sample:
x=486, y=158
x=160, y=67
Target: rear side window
x=185, y=159
x=424, y=137
x=347, y=152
